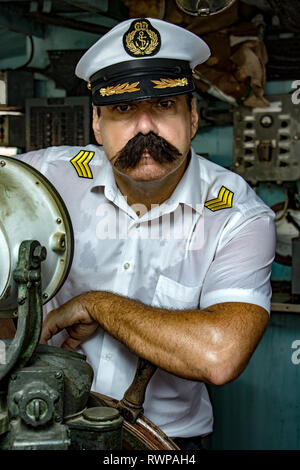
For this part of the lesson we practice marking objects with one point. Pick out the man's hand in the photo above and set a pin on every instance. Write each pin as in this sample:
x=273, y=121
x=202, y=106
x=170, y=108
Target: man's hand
x=75, y=318
x=213, y=345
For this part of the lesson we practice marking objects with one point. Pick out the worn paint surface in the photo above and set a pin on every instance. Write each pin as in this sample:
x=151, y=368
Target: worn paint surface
x=261, y=409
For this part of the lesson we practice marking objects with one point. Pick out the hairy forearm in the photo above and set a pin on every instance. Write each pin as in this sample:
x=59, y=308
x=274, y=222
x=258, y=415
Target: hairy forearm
x=204, y=345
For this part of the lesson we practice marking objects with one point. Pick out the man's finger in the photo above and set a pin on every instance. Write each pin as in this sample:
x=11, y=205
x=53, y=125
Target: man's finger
x=51, y=326
x=70, y=344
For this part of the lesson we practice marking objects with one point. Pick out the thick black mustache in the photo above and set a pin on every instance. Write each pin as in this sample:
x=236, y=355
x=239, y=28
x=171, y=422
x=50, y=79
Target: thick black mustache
x=159, y=149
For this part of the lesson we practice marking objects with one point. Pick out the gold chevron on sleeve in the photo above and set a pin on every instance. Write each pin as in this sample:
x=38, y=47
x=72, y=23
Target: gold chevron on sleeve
x=223, y=201
x=81, y=163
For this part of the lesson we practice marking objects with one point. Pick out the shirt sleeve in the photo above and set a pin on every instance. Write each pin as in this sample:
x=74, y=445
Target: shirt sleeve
x=35, y=158
x=241, y=270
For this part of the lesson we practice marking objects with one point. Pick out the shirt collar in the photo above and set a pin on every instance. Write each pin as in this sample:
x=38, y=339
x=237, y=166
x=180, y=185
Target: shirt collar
x=188, y=190
x=105, y=176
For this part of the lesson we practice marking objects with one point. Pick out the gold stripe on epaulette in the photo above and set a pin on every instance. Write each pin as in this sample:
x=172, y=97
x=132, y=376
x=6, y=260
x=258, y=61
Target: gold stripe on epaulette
x=170, y=82
x=223, y=201
x=81, y=163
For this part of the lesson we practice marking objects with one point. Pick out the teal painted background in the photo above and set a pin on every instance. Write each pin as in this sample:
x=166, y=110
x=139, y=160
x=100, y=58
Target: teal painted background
x=261, y=409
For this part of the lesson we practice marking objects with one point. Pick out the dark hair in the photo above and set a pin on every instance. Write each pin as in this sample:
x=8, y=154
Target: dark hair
x=159, y=148
x=189, y=99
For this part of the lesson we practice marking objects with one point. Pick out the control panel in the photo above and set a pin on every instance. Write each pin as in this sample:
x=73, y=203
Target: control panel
x=57, y=121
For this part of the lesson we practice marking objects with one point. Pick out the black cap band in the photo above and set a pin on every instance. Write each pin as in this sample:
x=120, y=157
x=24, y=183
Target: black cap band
x=141, y=79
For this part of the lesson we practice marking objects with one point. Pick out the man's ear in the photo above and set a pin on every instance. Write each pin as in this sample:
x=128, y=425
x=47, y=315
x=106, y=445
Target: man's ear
x=96, y=126
x=194, y=117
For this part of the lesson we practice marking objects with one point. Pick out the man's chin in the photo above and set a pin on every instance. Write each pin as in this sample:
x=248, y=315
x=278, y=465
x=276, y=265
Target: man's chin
x=149, y=170
x=148, y=174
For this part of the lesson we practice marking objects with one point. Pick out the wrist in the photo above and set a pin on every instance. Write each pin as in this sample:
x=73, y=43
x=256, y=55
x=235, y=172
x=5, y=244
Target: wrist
x=96, y=304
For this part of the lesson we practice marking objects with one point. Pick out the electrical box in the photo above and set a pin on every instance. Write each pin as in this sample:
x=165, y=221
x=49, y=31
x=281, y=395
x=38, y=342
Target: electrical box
x=12, y=130
x=15, y=87
x=267, y=141
x=57, y=121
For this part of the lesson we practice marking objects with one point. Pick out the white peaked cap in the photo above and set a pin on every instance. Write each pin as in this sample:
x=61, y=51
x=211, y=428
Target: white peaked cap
x=137, y=51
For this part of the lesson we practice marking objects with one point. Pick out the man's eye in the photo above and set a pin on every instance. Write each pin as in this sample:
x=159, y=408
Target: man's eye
x=166, y=104
x=123, y=108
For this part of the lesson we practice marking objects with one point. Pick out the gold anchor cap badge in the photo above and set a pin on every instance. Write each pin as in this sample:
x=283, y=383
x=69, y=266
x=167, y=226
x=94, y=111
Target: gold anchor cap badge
x=141, y=39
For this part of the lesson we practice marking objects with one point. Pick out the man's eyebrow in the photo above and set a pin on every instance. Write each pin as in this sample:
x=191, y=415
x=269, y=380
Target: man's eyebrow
x=137, y=102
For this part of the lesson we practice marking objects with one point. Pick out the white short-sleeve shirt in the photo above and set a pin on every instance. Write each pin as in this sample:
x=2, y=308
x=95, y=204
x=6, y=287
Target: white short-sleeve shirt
x=212, y=241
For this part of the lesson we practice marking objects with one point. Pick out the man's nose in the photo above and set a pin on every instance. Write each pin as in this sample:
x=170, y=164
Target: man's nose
x=145, y=122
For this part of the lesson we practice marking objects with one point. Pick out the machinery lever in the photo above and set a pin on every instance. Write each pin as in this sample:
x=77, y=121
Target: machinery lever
x=131, y=405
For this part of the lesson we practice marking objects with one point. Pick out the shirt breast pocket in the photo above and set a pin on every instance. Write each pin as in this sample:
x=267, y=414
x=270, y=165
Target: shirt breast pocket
x=173, y=295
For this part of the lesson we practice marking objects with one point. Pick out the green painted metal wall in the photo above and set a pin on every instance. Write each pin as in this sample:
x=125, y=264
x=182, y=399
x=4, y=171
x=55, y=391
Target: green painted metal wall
x=261, y=409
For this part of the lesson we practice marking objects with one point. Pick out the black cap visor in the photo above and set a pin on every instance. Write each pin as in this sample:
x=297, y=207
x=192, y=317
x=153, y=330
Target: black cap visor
x=141, y=79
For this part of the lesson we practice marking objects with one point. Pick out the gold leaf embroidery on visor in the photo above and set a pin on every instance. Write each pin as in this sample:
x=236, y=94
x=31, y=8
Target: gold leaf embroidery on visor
x=119, y=89
x=170, y=82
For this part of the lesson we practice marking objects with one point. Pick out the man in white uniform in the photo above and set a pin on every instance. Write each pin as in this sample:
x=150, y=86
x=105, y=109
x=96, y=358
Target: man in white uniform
x=172, y=252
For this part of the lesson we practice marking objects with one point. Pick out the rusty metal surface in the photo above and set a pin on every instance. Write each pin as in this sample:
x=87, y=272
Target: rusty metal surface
x=78, y=375
x=27, y=276
x=143, y=435
x=29, y=204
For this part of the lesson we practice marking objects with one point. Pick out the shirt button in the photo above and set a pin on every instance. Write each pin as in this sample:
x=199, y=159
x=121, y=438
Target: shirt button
x=137, y=225
x=126, y=265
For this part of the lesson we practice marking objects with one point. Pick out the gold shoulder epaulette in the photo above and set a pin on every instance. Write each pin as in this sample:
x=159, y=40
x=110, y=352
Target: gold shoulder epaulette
x=223, y=201
x=81, y=163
